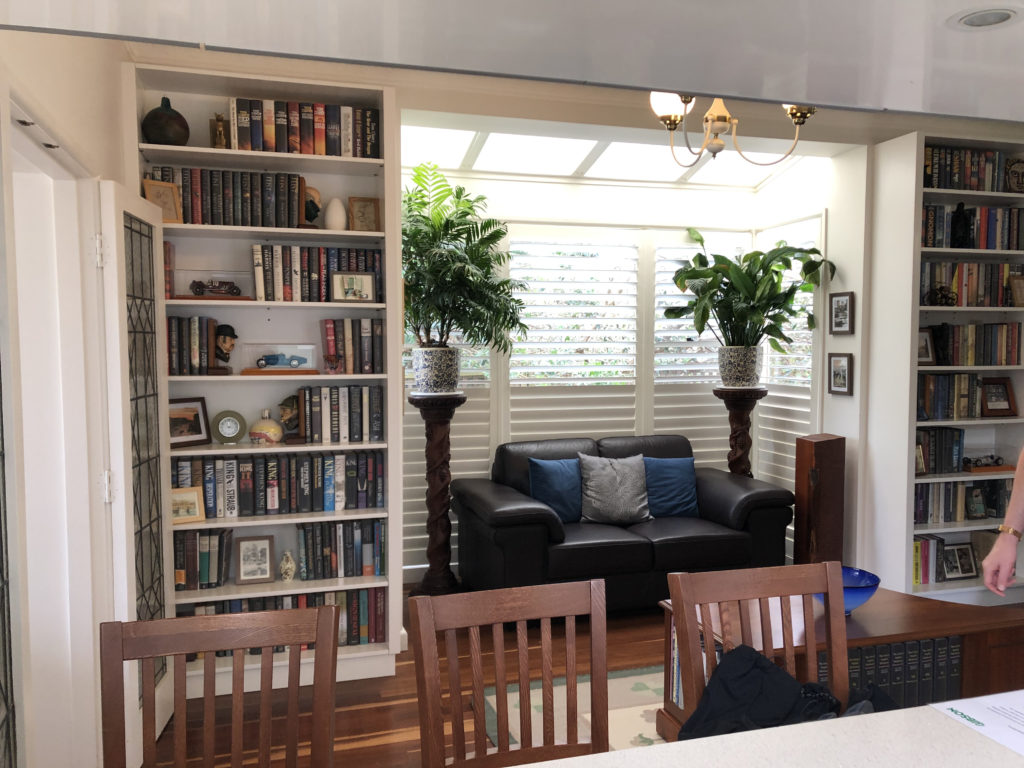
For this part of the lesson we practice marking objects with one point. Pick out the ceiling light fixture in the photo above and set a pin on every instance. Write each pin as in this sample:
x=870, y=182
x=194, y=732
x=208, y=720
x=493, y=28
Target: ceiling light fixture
x=672, y=109
x=983, y=19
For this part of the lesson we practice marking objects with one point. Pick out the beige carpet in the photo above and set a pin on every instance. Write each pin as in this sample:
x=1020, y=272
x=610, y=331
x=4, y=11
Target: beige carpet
x=634, y=696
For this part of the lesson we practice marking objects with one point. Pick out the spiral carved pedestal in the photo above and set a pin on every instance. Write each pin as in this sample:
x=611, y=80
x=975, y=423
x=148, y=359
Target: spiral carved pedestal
x=740, y=403
x=437, y=412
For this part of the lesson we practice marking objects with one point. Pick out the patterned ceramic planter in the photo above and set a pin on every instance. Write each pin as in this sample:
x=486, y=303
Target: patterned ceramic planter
x=435, y=369
x=739, y=366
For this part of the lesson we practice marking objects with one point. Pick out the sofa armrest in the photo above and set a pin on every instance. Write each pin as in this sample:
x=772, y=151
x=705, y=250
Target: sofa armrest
x=730, y=499
x=500, y=506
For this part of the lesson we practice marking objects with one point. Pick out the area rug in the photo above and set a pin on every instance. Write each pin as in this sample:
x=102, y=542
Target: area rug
x=634, y=696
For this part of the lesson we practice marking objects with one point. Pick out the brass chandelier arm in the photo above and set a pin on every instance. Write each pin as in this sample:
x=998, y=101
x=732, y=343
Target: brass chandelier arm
x=736, y=146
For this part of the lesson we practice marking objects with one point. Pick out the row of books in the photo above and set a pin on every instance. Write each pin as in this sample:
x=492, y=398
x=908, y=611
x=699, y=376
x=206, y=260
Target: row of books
x=329, y=550
x=975, y=284
x=976, y=343
x=954, y=502
x=982, y=227
x=353, y=345
x=362, y=618
x=248, y=485
x=308, y=128
x=980, y=170
x=948, y=396
x=202, y=559
x=913, y=672
x=192, y=346
x=237, y=198
x=941, y=450
x=323, y=409
x=307, y=274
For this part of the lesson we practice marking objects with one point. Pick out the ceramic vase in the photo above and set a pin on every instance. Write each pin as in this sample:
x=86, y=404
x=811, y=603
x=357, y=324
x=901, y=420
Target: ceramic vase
x=740, y=366
x=287, y=566
x=266, y=430
x=164, y=125
x=435, y=370
x=335, y=215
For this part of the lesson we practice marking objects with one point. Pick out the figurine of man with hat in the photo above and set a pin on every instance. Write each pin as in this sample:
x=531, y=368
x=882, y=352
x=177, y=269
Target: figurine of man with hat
x=225, y=342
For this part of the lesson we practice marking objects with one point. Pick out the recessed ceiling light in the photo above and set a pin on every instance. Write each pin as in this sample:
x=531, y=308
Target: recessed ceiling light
x=977, y=19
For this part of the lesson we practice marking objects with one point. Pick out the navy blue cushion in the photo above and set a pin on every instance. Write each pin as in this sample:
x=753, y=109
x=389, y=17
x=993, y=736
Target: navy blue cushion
x=671, y=487
x=556, y=482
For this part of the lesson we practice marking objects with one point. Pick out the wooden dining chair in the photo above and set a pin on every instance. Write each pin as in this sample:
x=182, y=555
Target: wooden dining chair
x=747, y=605
x=178, y=638
x=455, y=696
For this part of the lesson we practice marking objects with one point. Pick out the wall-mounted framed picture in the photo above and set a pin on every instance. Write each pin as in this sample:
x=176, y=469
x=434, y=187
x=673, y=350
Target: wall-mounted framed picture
x=364, y=214
x=254, y=559
x=352, y=286
x=958, y=562
x=840, y=373
x=925, y=347
x=189, y=423
x=997, y=398
x=187, y=505
x=166, y=195
x=840, y=313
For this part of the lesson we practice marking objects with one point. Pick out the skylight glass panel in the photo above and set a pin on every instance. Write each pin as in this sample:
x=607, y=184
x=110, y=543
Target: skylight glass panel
x=730, y=169
x=635, y=162
x=546, y=155
x=442, y=146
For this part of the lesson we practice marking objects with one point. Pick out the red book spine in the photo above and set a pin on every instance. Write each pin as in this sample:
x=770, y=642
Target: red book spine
x=319, y=130
x=328, y=337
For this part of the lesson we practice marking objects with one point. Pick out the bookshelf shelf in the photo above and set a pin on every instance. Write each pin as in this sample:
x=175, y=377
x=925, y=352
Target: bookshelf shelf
x=969, y=476
x=222, y=252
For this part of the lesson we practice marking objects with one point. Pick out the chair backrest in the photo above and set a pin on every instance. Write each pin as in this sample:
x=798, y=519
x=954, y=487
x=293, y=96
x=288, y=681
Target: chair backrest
x=477, y=667
x=181, y=637
x=739, y=606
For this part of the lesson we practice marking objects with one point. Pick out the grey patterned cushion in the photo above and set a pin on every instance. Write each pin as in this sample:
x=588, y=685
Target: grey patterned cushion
x=614, y=490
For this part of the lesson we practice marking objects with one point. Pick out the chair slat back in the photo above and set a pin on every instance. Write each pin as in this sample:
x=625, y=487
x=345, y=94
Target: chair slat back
x=769, y=609
x=177, y=639
x=547, y=639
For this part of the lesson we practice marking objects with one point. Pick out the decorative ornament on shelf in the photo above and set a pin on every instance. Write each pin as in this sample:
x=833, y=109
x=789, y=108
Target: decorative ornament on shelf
x=311, y=207
x=265, y=431
x=164, y=125
x=287, y=566
x=335, y=215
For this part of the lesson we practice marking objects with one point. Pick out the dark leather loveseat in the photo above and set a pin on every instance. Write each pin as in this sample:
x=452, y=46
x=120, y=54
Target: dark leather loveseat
x=507, y=538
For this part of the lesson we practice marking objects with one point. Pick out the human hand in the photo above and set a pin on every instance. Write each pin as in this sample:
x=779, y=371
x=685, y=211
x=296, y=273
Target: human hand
x=1000, y=565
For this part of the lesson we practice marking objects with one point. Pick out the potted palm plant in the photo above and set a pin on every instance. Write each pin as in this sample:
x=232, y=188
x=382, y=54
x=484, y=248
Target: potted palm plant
x=451, y=255
x=750, y=298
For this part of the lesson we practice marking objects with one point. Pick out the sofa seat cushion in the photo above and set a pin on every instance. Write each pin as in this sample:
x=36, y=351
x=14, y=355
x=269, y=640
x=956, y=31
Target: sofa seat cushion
x=593, y=550
x=693, y=544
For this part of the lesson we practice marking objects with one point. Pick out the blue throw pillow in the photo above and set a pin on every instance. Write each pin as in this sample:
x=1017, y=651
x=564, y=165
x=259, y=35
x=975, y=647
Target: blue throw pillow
x=556, y=482
x=671, y=487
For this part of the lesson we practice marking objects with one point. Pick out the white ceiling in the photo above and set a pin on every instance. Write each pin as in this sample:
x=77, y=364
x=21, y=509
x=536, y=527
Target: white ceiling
x=869, y=54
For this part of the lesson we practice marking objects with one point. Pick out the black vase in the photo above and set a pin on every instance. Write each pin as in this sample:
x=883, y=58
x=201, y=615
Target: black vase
x=163, y=125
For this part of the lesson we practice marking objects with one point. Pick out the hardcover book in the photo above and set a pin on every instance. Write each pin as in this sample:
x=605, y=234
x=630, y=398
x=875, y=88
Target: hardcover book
x=306, y=128
x=242, y=138
x=256, y=124
x=294, y=139
x=269, y=126
x=319, y=130
x=280, y=126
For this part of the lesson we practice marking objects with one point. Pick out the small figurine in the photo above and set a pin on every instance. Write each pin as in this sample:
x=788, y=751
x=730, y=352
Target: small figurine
x=287, y=566
x=225, y=342
x=312, y=205
x=221, y=287
x=289, y=409
x=219, y=138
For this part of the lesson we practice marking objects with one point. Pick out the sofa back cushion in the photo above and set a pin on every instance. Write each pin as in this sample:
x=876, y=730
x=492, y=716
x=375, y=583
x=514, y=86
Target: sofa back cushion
x=512, y=460
x=656, y=446
x=556, y=482
x=671, y=487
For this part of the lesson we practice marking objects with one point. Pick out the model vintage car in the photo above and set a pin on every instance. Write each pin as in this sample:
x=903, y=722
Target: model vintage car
x=220, y=287
x=280, y=360
x=988, y=460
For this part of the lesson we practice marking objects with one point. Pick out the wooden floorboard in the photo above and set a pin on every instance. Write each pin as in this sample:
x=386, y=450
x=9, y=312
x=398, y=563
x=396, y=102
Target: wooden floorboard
x=377, y=723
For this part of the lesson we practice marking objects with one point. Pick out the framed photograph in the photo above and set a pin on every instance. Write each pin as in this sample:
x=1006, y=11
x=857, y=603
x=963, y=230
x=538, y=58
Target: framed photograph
x=189, y=423
x=840, y=313
x=958, y=562
x=254, y=558
x=925, y=347
x=166, y=195
x=1015, y=174
x=840, y=374
x=364, y=214
x=997, y=397
x=187, y=505
x=352, y=286
x=1017, y=286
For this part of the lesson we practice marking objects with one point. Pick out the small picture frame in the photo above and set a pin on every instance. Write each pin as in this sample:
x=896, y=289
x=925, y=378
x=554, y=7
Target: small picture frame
x=166, y=195
x=840, y=313
x=840, y=373
x=1017, y=287
x=187, y=505
x=997, y=398
x=254, y=559
x=188, y=421
x=352, y=286
x=364, y=214
x=925, y=347
x=958, y=562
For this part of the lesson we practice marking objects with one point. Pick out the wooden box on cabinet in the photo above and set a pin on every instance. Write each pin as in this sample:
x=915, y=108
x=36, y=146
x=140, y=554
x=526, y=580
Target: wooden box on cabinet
x=819, y=489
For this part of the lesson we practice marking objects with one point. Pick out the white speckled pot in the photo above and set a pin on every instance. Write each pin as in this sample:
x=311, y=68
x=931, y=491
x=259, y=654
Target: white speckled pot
x=739, y=366
x=435, y=369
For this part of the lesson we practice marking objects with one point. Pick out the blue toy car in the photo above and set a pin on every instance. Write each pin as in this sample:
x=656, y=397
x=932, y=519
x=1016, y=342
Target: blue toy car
x=277, y=360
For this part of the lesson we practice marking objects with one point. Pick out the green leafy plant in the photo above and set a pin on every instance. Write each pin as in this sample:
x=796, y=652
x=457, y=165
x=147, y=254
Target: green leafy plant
x=451, y=257
x=750, y=297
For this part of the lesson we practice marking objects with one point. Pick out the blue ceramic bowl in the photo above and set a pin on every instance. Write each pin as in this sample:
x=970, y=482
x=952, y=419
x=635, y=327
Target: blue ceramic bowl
x=858, y=587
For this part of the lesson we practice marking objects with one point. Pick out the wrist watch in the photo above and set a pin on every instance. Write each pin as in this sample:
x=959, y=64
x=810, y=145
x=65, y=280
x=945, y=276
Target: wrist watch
x=1011, y=531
